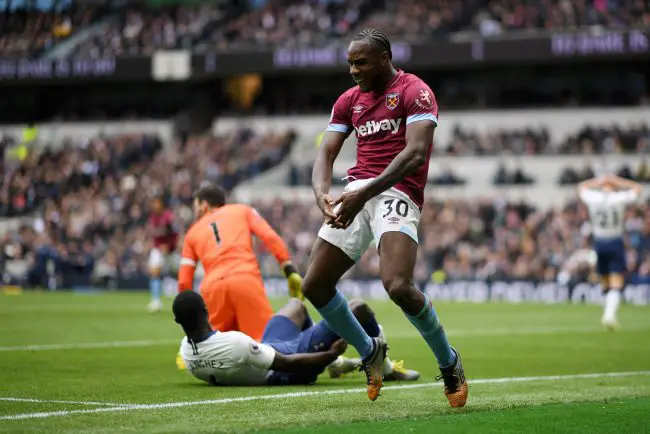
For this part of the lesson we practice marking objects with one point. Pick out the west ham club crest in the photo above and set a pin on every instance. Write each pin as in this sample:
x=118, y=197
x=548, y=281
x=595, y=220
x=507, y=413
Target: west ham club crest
x=392, y=99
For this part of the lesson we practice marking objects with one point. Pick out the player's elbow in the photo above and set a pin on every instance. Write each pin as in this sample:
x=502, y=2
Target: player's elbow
x=416, y=161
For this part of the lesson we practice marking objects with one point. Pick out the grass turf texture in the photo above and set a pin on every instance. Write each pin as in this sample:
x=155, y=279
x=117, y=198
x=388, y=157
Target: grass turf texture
x=496, y=341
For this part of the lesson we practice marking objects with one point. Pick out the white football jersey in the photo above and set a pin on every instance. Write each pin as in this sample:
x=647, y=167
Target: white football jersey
x=228, y=359
x=607, y=211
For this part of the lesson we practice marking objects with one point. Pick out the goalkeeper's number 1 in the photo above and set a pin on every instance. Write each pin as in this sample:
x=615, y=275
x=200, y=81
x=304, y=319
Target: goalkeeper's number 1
x=215, y=231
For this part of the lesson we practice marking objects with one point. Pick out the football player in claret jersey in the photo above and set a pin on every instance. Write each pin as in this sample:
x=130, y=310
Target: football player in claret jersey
x=394, y=115
x=163, y=258
x=606, y=198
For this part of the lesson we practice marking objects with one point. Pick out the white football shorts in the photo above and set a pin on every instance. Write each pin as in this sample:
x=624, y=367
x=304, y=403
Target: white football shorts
x=390, y=211
x=167, y=263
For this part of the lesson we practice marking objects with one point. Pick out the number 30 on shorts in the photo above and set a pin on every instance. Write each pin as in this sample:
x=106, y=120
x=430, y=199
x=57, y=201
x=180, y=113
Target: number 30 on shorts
x=396, y=206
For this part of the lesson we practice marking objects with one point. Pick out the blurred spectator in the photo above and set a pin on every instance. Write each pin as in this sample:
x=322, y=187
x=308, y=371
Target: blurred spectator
x=529, y=141
x=525, y=141
x=447, y=177
x=572, y=176
x=137, y=30
x=29, y=32
x=497, y=16
x=294, y=23
x=590, y=140
x=503, y=176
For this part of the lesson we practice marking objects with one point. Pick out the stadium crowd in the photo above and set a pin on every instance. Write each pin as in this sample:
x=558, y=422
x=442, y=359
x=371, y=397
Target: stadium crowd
x=133, y=29
x=487, y=239
x=93, y=200
x=532, y=141
x=99, y=234
x=28, y=33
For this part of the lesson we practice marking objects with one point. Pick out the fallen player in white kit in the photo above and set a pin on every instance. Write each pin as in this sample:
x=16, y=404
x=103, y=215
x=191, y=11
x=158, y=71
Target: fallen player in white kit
x=293, y=350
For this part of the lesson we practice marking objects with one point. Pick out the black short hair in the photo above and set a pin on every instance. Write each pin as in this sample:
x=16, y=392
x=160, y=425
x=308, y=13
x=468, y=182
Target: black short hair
x=213, y=194
x=189, y=310
x=376, y=38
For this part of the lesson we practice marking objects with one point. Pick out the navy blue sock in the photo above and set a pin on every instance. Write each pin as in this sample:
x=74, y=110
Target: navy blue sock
x=340, y=319
x=371, y=327
x=308, y=323
x=427, y=323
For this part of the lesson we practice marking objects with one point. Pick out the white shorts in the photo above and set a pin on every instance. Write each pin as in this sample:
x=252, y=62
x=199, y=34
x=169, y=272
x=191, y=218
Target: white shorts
x=391, y=211
x=167, y=263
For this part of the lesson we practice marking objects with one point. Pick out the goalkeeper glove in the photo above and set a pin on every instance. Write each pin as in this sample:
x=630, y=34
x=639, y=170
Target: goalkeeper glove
x=294, y=280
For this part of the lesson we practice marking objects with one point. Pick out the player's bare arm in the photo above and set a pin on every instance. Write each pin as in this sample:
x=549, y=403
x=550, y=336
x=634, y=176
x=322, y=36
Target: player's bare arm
x=308, y=361
x=418, y=138
x=591, y=184
x=321, y=178
x=625, y=183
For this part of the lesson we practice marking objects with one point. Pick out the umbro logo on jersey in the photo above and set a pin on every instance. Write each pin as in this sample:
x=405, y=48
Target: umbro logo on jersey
x=357, y=108
x=373, y=127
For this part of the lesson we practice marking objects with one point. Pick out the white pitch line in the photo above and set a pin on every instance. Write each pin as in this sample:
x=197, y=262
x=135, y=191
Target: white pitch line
x=131, y=407
x=90, y=345
x=56, y=401
x=405, y=333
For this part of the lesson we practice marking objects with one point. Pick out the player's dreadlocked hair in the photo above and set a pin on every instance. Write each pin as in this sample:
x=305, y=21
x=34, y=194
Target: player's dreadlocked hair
x=377, y=38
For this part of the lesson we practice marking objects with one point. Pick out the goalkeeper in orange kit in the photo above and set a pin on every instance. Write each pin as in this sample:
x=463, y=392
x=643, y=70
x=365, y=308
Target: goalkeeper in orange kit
x=221, y=239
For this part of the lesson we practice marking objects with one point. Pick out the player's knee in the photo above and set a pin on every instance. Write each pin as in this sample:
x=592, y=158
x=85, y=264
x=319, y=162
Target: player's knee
x=155, y=272
x=315, y=290
x=309, y=288
x=298, y=306
x=399, y=289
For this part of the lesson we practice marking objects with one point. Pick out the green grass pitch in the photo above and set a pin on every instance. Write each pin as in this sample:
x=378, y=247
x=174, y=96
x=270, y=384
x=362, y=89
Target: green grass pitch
x=101, y=364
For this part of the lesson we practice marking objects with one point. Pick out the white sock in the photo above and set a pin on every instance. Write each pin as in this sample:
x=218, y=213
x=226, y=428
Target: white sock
x=612, y=301
x=388, y=363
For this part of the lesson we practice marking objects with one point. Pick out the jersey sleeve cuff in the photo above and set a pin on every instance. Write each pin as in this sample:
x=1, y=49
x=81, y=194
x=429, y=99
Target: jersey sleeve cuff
x=422, y=117
x=188, y=261
x=267, y=355
x=338, y=128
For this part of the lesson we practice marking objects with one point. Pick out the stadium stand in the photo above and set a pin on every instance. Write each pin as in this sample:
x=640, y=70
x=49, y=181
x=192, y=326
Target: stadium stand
x=136, y=30
x=30, y=32
x=486, y=239
x=91, y=197
x=133, y=29
x=89, y=185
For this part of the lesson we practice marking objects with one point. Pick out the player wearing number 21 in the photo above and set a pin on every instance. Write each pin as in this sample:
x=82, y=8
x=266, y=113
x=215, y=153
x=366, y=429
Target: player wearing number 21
x=221, y=239
x=606, y=199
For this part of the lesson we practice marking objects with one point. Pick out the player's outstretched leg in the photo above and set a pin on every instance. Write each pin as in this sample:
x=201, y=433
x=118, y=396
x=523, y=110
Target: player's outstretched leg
x=398, y=254
x=327, y=265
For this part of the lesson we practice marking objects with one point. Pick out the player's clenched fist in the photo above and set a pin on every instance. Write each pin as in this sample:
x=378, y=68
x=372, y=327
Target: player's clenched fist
x=347, y=207
x=339, y=347
x=326, y=204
